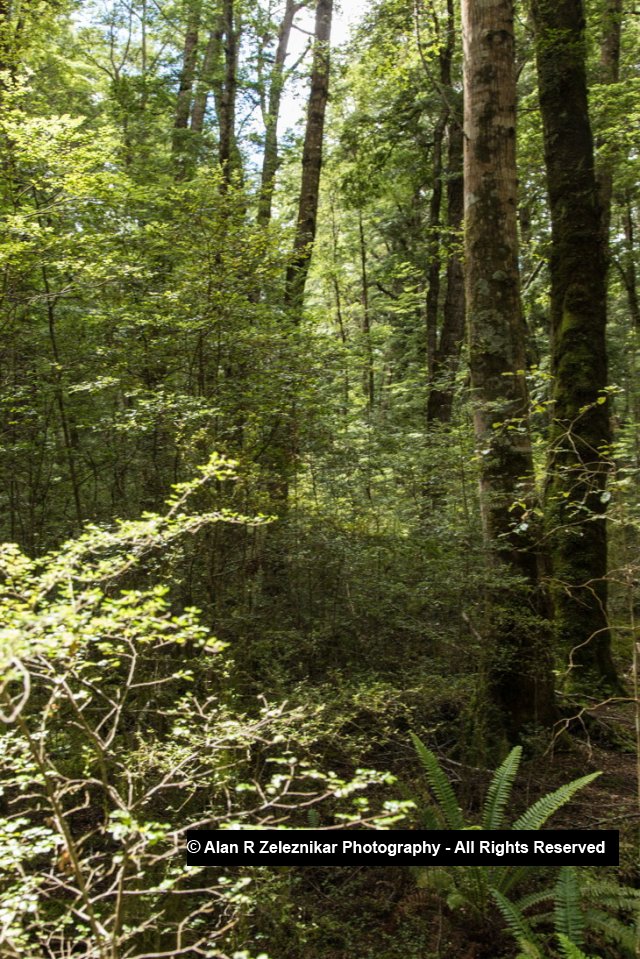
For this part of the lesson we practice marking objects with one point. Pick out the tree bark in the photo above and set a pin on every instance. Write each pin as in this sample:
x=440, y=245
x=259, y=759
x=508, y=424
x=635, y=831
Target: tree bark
x=369, y=371
x=185, y=89
x=519, y=667
x=298, y=270
x=434, y=243
x=443, y=349
x=609, y=74
x=205, y=81
x=577, y=472
x=276, y=86
x=228, y=149
x=627, y=264
x=447, y=354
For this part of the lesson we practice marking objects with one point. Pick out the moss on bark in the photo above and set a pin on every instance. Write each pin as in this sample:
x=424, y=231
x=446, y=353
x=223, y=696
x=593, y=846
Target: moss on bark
x=577, y=472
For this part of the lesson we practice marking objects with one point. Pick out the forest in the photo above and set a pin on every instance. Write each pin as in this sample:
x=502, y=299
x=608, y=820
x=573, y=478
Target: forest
x=319, y=423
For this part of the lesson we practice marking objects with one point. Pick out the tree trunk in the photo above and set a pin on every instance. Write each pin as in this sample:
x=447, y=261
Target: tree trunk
x=609, y=74
x=185, y=89
x=228, y=148
x=205, y=81
x=447, y=355
x=369, y=371
x=298, y=270
x=434, y=243
x=577, y=473
x=276, y=86
x=445, y=58
x=520, y=678
x=627, y=265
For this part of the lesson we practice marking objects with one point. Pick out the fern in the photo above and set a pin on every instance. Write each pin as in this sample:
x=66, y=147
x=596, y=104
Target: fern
x=615, y=931
x=440, y=785
x=609, y=893
x=535, y=899
x=569, y=949
x=569, y=919
x=537, y=815
x=500, y=790
x=518, y=925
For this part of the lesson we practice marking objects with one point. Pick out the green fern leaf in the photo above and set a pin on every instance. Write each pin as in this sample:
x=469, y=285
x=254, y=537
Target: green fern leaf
x=537, y=815
x=440, y=785
x=606, y=892
x=534, y=899
x=569, y=919
x=624, y=936
x=500, y=790
x=569, y=949
x=518, y=925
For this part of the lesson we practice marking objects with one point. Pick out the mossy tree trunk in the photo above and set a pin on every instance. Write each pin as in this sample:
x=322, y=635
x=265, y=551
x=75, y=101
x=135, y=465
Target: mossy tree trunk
x=520, y=679
x=577, y=476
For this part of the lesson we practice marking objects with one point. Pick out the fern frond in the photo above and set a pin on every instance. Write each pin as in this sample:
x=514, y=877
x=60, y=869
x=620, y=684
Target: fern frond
x=440, y=785
x=624, y=936
x=569, y=949
x=534, y=899
x=569, y=919
x=518, y=925
x=500, y=790
x=506, y=878
x=544, y=808
x=607, y=892
x=429, y=820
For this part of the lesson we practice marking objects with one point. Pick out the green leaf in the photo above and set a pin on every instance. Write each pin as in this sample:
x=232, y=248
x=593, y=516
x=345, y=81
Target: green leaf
x=440, y=785
x=537, y=815
x=500, y=790
x=569, y=918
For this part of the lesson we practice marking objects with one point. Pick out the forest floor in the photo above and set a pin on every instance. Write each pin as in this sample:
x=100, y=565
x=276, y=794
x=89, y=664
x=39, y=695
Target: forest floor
x=393, y=913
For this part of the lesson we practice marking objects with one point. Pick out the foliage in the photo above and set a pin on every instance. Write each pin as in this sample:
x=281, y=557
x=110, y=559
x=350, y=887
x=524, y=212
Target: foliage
x=476, y=887
x=251, y=645
x=122, y=737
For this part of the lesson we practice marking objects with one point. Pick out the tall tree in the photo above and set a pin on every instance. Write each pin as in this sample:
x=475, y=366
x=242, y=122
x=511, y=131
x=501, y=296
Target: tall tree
x=187, y=76
x=519, y=668
x=311, y=158
x=272, y=113
x=444, y=344
x=205, y=80
x=228, y=147
x=609, y=74
x=577, y=479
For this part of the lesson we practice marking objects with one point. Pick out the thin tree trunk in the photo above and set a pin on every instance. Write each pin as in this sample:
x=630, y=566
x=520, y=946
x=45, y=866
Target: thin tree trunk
x=338, y=295
x=228, y=148
x=206, y=81
x=581, y=434
x=185, y=89
x=276, y=86
x=435, y=237
x=627, y=266
x=298, y=270
x=447, y=355
x=520, y=678
x=443, y=350
x=369, y=375
x=610, y=74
